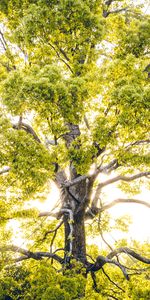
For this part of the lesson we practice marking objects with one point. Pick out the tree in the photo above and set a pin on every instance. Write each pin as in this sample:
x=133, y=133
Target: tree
x=74, y=106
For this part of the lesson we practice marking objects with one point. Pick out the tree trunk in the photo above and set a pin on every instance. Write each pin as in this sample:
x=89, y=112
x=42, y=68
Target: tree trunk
x=79, y=242
x=75, y=243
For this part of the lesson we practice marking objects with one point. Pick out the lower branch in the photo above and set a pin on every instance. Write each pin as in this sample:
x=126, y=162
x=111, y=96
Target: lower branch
x=101, y=260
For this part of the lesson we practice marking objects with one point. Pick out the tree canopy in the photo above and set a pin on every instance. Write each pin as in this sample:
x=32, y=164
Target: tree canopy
x=74, y=106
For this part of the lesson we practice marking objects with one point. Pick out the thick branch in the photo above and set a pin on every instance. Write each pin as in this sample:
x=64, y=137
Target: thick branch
x=71, y=221
x=28, y=254
x=25, y=252
x=101, y=260
x=85, y=201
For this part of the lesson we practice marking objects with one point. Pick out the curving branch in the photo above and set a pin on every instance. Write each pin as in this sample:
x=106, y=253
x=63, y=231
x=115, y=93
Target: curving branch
x=101, y=261
x=130, y=252
x=140, y=142
x=25, y=252
x=123, y=178
x=28, y=129
x=121, y=200
x=107, y=168
x=94, y=210
x=52, y=231
x=55, y=233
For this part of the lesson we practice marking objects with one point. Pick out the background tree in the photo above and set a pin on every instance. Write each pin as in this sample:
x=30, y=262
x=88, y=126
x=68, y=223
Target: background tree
x=74, y=106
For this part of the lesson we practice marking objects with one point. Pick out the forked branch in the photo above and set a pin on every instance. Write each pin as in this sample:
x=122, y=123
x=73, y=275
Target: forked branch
x=101, y=260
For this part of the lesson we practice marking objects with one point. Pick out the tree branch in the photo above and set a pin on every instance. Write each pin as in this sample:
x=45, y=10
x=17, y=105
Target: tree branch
x=128, y=252
x=107, y=168
x=3, y=41
x=123, y=178
x=52, y=231
x=71, y=221
x=50, y=214
x=28, y=129
x=118, y=10
x=108, y=3
x=58, y=55
x=101, y=169
x=94, y=210
x=138, y=143
x=121, y=200
x=107, y=13
x=28, y=254
x=112, y=280
x=101, y=261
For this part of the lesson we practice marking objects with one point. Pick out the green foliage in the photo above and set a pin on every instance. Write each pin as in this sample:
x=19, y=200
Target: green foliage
x=39, y=280
x=60, y=60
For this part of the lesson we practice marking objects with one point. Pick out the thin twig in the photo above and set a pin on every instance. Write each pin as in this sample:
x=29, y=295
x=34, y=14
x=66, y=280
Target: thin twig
x=112, y=281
